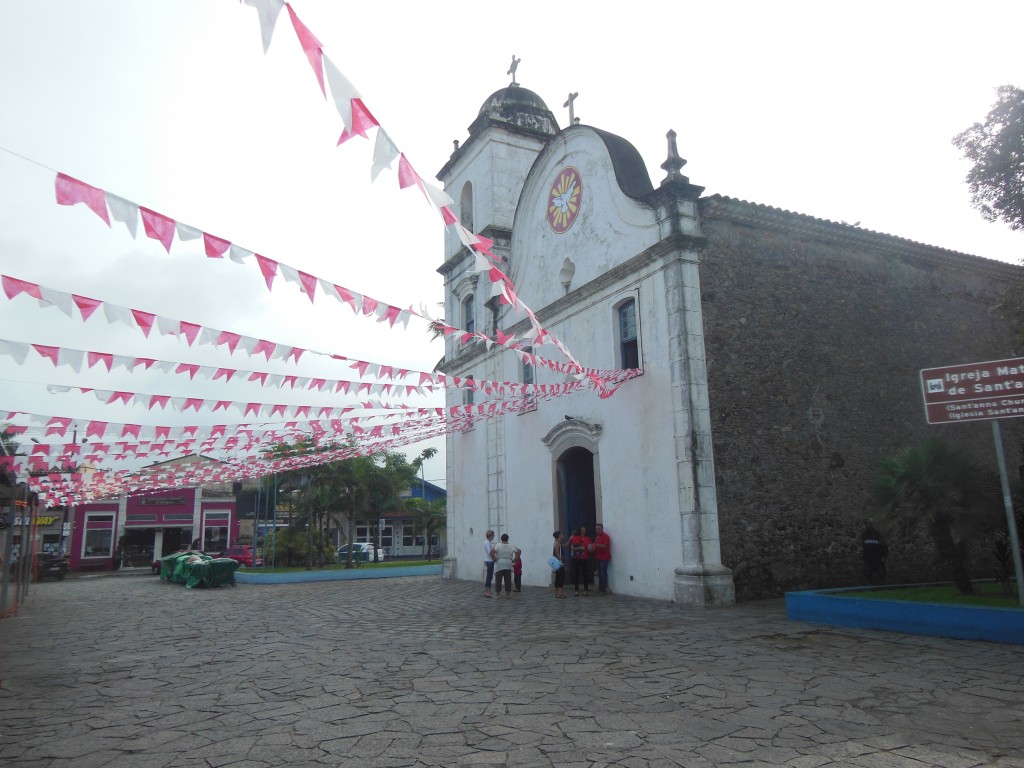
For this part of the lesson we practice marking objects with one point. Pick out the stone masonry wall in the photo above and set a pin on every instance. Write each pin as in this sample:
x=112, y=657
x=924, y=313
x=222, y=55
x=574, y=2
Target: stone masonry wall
x=813, y=353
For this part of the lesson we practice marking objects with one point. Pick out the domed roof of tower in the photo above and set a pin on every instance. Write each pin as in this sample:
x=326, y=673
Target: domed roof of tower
x=519, y=108
x=511, y=96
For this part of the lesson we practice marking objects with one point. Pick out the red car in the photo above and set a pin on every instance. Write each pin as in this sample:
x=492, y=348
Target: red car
x=244, y=555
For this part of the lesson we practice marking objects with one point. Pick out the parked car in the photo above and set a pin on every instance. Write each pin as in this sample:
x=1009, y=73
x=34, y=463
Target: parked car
x=244, y=555
x=50, y=566
x=361, y=552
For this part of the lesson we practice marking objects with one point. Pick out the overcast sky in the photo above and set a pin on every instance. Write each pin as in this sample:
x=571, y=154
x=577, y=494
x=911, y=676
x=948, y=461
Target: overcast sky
x=840, y=111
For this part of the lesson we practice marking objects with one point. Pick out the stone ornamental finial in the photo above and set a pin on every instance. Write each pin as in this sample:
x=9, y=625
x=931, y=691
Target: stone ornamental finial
x=674, y=163
x=512, y=69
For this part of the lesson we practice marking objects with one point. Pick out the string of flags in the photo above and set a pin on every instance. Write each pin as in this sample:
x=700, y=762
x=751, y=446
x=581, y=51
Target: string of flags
x=370, y=424
x=195, y=333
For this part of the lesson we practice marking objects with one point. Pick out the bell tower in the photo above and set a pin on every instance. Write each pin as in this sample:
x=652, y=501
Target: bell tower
x=484, y=177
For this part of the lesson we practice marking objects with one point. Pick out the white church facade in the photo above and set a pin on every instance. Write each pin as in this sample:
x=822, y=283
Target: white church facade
x=778, y=359
x=610, y=266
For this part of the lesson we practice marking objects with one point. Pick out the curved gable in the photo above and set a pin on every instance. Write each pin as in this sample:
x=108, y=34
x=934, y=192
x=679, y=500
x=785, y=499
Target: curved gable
x=630, y=171
x=612, y=224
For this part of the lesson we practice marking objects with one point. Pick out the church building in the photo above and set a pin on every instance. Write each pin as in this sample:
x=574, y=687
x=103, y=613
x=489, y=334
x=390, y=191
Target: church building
x=777, y=358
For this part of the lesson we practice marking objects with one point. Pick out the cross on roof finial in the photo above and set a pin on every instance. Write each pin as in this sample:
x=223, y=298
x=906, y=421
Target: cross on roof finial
x=512, y=69
x=568, y=103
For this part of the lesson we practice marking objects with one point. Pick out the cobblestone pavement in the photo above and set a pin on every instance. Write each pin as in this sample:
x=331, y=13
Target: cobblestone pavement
x=131, y=671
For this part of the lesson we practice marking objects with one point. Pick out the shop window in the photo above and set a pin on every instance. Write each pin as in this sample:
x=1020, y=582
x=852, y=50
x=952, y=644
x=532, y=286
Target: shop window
x=215, y=539
x=99, y=536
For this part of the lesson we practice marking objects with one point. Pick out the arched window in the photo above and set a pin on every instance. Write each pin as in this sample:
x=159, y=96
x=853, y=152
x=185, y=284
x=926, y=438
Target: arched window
x=469, y=314
x=629, y=342
x=466, y=206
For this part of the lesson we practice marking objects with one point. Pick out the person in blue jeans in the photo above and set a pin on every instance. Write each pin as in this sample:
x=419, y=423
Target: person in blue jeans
x=488, y=562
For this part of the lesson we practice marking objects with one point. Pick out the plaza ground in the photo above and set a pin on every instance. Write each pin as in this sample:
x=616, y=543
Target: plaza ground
x=121, y=671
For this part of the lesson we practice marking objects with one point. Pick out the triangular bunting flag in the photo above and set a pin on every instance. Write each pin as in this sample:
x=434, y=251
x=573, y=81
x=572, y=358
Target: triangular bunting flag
x=215, y=247
x=71, y=191
x=158, y=227
x=310, y=46
x=124, y=211
x=342, y=91
x=384, y=152
x=268, y=11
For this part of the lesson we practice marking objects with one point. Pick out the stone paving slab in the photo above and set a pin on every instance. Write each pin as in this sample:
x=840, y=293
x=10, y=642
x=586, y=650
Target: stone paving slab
x=126, y=671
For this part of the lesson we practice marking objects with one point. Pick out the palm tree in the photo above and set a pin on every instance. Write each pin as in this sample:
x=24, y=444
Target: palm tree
x=944, y=489
x=431, y=516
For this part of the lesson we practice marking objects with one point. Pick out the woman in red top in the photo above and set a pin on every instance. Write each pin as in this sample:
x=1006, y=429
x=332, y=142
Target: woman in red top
x=579, y=552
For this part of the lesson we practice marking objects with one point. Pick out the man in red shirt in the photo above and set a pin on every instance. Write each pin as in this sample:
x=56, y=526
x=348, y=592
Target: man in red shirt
x=603, y=556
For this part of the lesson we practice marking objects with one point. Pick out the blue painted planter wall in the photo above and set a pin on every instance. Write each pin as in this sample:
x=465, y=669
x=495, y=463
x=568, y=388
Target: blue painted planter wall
x=999, y=625
x=244, y=576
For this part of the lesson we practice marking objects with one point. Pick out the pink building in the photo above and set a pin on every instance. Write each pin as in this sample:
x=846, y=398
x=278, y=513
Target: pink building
x=150, y=526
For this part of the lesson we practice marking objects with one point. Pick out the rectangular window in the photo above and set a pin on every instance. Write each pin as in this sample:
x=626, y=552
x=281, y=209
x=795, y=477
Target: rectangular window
x=469, y=314
x=362, y=534
x=99, y=536
x=527, y=376
x=407, y=535
x=215, y=539
x=386, y=535
x=629, y=348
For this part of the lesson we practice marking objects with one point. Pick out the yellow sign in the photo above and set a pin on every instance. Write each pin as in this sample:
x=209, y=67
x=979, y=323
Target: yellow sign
x=41, y=520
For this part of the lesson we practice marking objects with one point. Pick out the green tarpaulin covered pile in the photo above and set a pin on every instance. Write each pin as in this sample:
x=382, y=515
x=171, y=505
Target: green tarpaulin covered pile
x=196, y=569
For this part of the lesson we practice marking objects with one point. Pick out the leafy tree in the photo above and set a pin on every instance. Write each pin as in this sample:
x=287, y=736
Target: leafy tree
x=942, y=488
x=8, y=445
x=286, y=547
x=996, y=149
x=359, y=489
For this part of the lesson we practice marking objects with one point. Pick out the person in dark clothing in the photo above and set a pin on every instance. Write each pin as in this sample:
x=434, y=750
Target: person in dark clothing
x=875, y=553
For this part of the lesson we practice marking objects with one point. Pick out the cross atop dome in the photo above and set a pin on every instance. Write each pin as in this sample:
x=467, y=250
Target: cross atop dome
x=512, y=69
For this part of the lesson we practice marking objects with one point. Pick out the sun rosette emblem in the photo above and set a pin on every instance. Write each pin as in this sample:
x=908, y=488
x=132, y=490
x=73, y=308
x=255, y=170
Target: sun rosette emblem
x=565, y=199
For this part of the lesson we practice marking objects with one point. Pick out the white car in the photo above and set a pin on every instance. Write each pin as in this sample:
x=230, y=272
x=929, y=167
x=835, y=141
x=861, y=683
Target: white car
x=361, y=552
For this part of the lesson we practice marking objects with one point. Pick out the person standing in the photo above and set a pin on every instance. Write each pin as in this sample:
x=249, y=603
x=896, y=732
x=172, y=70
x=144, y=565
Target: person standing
x=517, y=569
x=488, y=562
x=503, y=555
x=557, y=554
x=579, y=551
x=875, y=553
x=603, y=556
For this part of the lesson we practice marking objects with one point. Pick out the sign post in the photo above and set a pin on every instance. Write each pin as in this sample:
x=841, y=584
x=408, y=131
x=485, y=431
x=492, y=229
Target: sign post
x=987, y=391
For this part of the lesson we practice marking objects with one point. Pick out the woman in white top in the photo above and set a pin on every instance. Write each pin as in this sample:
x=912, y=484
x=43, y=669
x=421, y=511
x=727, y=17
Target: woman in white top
x=488, y=562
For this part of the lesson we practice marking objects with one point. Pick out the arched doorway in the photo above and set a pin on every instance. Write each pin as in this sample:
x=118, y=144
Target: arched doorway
x=577, y=497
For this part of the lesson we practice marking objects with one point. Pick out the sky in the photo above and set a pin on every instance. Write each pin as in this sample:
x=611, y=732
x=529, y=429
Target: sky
x=840, y=111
